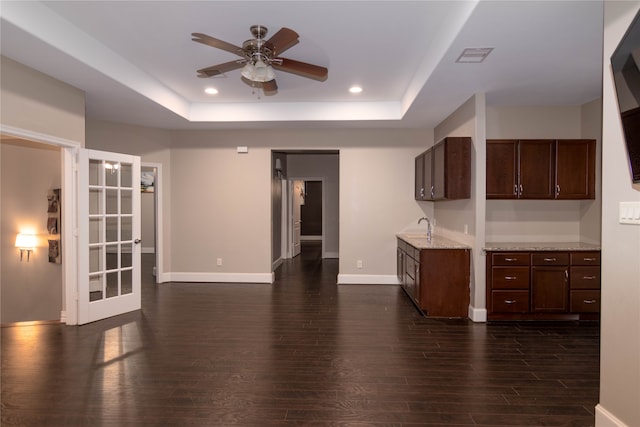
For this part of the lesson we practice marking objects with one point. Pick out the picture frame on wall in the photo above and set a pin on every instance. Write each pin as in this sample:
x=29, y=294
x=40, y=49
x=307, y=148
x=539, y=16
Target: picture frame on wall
x=54, y=251
x=147, y=181
x=53, y=201
x=52, y=225
x=54, y=217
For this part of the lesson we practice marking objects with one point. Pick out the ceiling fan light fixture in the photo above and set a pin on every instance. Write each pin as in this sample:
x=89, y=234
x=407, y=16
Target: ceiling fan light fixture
x=248, y=71
x=258, y=72
x=263, y=72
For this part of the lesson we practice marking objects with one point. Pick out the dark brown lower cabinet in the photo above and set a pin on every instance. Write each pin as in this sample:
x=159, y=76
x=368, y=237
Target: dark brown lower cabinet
x=436, y=280
x=543, y=285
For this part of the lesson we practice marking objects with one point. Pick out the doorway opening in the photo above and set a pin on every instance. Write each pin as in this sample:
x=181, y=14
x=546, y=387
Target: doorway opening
x=305, y=202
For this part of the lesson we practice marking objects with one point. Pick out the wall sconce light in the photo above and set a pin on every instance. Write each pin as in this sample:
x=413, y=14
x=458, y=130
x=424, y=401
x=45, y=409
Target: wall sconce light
x=26, y=242
x=112, y=167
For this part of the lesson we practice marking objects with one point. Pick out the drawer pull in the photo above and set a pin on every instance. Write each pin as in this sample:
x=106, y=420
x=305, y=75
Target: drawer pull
x=510, y=301
x=550, y=259
x=588, y=259
x=511, y=259
x=589, y=301
x=510, y=278
x=588, y=277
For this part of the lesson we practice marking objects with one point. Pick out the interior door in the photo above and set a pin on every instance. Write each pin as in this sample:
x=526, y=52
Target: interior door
x=109, y=235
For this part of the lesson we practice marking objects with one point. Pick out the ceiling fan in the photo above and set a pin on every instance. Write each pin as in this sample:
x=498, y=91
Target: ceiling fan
x=260, y=57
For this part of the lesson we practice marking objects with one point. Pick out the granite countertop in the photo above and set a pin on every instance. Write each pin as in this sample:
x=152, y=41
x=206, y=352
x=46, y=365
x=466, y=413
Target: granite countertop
x=540, y=246
x=419, y=241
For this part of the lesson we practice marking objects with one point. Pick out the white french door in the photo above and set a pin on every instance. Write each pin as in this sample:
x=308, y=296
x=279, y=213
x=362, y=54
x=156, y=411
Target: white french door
x=108, y=235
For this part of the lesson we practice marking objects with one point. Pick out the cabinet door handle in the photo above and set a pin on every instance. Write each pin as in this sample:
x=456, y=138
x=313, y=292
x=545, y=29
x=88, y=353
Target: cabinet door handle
x=510, y=301
x=510, y=277
x=589, y=277
x=557, y=189
x=550, y=259
x=520, y=189
x=515, y=189
x=432, y=192
x=589, y=301
x=511, y=259
x=566, y=275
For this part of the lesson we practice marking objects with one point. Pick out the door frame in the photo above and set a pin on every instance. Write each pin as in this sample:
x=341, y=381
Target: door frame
x=159, y=220
x=69, y=229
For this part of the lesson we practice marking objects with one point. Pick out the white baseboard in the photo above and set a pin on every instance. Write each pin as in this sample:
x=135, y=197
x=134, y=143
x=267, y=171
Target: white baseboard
x=477, y=314
x=605, y=418
x=63, y=316
x=148, y=250
x=163, y=278
x=221, y=277
x=277, y=263
x=330, y=255
x=367, y=279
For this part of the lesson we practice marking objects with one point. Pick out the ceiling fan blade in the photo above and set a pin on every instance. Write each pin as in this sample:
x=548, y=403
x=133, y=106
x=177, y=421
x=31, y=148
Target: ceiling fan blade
x=283, y=40
x=270, y=87
x=216, y=70
x=219, y=44
x=303, y=69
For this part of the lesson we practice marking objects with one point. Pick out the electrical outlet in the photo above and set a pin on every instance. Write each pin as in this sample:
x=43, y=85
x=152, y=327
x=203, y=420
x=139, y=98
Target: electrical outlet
x=359, y=263
x=219, y=262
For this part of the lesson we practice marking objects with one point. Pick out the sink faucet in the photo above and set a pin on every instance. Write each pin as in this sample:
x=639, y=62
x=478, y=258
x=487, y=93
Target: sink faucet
x=424, y=218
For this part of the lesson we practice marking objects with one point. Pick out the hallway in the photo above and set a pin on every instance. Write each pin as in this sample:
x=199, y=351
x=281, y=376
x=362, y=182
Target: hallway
x=302, y=351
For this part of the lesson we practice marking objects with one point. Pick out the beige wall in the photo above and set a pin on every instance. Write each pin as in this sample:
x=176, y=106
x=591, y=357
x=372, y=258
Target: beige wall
x=219, y=201
x=453, y=216
x=36, y=102
x=377, y=201
x=620, y=319
x=590, y=211
x=539, y=220
x=153, y=146
x=29, y=290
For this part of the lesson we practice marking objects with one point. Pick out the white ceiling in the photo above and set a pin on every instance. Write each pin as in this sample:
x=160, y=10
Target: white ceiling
x=137, y=64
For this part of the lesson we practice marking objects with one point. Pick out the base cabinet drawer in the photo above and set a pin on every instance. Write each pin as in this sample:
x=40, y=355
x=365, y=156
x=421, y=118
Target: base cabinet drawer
x=510, y=278
x=585, y=277
x=510, y=301
x=585, y=301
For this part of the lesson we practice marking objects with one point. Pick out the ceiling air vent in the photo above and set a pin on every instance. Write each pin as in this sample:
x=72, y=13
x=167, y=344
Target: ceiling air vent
x=474, y=54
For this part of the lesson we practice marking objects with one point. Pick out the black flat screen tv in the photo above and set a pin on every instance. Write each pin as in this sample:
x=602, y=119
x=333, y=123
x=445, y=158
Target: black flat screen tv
x=625, y=64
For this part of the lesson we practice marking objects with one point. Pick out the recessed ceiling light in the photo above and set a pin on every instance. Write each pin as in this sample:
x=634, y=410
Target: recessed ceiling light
x=355, y=89
x=211, y=90
x=474, y=54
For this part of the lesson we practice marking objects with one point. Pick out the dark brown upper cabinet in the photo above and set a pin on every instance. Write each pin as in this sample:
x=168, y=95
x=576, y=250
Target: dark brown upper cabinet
x=540, y=169
x=576, y=169
x=443, y=172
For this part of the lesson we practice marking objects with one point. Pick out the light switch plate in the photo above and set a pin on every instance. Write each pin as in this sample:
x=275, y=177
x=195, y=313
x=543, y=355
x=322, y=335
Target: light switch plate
x=630, y=213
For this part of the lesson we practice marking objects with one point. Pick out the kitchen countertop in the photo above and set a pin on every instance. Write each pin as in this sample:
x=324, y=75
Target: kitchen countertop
x=540, y=246
x=419, y=241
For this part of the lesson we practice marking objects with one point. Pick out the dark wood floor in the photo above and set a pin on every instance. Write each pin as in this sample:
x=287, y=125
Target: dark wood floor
x=303, y=351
